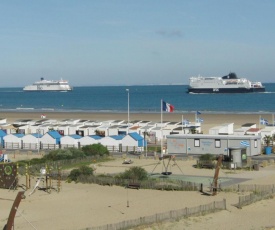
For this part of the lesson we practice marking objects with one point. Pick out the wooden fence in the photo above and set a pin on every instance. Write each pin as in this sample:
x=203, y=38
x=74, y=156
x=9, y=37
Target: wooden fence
x=165, y=216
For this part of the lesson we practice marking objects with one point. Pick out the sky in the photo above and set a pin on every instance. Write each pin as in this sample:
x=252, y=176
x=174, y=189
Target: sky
x=130, y=42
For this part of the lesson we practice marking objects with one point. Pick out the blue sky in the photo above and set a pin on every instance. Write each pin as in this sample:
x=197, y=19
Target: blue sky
x=129, y=42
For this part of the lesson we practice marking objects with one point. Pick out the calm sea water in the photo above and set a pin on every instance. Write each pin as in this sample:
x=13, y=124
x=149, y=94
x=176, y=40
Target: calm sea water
x=144, y=99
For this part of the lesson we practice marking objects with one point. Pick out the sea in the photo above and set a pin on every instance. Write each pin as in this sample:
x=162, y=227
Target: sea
x=141, y=98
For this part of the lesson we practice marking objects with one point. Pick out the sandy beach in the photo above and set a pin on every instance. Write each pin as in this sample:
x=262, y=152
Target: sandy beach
x=210, y=120
x=80, y=206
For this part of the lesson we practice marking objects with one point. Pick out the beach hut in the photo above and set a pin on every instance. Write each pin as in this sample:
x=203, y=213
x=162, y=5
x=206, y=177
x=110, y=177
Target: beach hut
x=133, y=142
x=50, y=140
x=73, y=129
x=13, y=141
x=113, y=130
x=113, y=143
x=3, y=121
x=63, y=129
x=89, y=140
x=31, y=141
x=70, y=141
x=224, y=129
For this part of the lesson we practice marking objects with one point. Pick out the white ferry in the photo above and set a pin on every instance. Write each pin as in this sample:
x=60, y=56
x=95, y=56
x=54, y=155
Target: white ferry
x=49, y=85
x=227, y=84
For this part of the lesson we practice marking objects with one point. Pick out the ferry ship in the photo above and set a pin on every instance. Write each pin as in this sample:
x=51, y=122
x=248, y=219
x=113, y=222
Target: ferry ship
x=226, y=84
x=49, y=85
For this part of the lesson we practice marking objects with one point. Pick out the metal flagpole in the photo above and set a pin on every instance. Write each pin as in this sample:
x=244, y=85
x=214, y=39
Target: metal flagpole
x=161, y=144
x=181, y=124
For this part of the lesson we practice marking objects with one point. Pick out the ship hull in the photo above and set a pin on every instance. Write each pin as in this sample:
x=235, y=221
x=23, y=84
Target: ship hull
x=226, y=90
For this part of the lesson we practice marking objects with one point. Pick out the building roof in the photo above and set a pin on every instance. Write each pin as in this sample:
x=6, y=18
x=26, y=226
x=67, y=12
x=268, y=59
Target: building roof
x=75, y=136
x=135, y=136
x=54, y=134
x=96, y=137
x=117, y=137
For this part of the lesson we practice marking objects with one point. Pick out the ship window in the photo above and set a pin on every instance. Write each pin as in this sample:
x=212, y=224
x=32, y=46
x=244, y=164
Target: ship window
x=217, y=143
x=197, y=142
x=255, y=143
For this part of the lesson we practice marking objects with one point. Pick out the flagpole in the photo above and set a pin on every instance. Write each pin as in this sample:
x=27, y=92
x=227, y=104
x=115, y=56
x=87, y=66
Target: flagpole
x=259, y=120
x=161, y=144
x=181, y=124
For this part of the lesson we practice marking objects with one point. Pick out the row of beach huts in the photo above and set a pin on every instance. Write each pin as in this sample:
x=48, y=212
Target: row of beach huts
x=118, y=135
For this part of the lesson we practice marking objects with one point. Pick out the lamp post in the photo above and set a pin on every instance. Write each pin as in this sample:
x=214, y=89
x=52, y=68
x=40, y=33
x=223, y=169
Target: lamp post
x=128, y=105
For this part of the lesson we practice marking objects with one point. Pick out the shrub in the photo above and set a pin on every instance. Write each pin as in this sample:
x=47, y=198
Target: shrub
x=207, y=157
x=83, y=170
x=95, y=149
x=134, y=173
x=62, y=154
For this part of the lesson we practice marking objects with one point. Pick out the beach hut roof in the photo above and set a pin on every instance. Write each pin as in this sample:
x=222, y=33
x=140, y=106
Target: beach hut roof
x=2, y=133
x=135, y=136
x=117, y=137
x=19, y=135
x=54, y=134
x=37, y=135
x=96, y=137
x=75, y=136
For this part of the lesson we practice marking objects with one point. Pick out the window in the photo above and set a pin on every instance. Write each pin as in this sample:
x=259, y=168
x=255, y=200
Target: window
x=217, y=143
x=197, y=142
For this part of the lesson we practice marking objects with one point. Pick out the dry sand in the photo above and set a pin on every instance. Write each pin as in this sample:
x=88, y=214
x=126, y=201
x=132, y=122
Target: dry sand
x=79, y=206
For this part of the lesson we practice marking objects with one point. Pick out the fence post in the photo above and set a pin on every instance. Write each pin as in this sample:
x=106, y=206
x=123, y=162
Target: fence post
x=224, y=203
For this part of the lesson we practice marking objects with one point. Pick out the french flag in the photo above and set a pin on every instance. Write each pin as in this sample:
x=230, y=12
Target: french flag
x=167, y=107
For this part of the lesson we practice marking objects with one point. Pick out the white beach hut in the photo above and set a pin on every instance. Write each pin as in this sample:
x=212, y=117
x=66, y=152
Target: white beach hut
x=112, y=143
x=89, y=140
x=70, y=141
x=31, y=141
x=133, y=142
x=13, y=141
x=50, y=140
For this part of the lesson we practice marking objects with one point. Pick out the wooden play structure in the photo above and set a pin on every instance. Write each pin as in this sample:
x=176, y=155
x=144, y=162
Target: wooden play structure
x=167, y=162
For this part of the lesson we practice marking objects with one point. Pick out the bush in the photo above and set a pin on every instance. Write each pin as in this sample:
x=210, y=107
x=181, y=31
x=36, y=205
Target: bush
x=134, y=173
x=207, y=157
x=64, y=154
x=83, y=170
x=95, y=149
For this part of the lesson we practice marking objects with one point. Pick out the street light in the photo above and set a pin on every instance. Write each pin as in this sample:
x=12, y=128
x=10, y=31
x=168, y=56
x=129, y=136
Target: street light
x=128, y=106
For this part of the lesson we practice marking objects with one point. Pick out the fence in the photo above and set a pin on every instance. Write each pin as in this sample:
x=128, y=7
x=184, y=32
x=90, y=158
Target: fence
x=254, y=197
x=248, y=188
x=35, y=146
x=165, y=216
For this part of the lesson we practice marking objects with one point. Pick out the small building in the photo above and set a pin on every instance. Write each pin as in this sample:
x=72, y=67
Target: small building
x=133, y=141
x=224, y=129
x=113, y=143
x=70, y=141
x=199, y=144
x=51, y=140
x=13, y=141
x=89, y=140
x=31, y=141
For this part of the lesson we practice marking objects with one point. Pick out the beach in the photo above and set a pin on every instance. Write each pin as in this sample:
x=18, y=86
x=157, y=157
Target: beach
x=80, y=206
x=210, y=119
